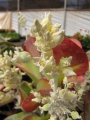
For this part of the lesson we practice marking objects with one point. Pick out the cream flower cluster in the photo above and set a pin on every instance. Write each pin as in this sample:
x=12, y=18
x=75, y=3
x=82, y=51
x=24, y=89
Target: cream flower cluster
x=10, y=74
x=22, y=20
x=61, y=104
x=47, y=35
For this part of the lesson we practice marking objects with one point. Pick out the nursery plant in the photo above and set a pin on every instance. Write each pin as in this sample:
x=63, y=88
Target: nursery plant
x=5, y=45
x=84, y=40
x=59, y=72
x=10, y=36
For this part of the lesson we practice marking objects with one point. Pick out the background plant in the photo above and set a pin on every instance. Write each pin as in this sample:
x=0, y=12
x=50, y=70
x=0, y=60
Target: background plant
x=84, y=39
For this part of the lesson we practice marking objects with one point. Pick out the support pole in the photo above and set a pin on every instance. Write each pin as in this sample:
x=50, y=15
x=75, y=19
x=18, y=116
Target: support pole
x=18, y=9
x=64, y=23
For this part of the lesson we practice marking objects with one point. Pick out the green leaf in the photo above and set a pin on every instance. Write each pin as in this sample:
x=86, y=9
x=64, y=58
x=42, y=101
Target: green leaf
x=35, y=117
x=7, y=49
x=18, y=116
x=25, y=87
x=43, y=83
x=6, y=100
x=26, y=116
x=23, y=95
x=6, y=43
x=30, y=69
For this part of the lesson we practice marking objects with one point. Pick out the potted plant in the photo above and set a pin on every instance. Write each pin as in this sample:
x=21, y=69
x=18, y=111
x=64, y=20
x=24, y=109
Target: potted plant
x=10, y=36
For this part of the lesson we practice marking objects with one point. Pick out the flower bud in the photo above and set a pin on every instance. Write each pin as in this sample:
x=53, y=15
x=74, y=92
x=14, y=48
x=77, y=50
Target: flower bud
x=36, y=27
x=24, y=57
x=55, y=28
x=47, y=35
x=75, y=115
x=36, y=100
x=44, y=107
x=47, y=20
x=57, y=37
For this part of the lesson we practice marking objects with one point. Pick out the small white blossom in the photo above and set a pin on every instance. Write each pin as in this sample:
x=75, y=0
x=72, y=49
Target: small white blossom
x=47, y=35
x=44, y=107
x=68, y=72
x=46, y=65
x=75, y=115
x=10, y=75
x=65, y=62
x=38, y=97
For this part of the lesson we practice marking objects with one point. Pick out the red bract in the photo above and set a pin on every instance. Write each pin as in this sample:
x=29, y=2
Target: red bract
x=30, y=47
x=68, y=48
x=76, y=42
x=76, y=78
x=80, y=78
x=29, y=106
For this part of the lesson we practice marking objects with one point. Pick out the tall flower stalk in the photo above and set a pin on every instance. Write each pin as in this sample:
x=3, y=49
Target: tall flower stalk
x=58, y=104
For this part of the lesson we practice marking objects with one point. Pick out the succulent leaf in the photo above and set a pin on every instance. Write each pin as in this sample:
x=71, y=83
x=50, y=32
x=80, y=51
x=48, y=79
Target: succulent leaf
x=31, y=70
x=68, y=48
x=43, y=83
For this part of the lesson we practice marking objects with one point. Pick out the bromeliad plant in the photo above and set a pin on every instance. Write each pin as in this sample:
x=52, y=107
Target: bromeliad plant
x=60, y=76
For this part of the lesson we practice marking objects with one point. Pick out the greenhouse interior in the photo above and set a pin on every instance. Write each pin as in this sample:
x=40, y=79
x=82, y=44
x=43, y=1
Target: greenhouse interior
x=44, y=59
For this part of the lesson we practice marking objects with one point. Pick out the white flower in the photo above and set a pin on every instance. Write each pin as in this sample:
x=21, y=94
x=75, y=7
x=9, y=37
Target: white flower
x=55, y=28
x=10, y=75
x=44, y=107
x=65, y=62
x=46, y=65
x=46, y=20
x=47, y=35
x=68, y=72
x=36, y=27
x=57, y=38
x=37, y=98
x=23, y=57
x=60, y=103
x=64, y=66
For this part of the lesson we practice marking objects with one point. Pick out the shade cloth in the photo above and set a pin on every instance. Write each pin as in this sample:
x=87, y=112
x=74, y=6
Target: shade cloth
x=76, y=21
x=6, y=20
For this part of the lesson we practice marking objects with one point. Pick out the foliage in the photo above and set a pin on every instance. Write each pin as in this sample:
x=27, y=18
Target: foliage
x=6, y=46
x=84, y=40
x=10, y=35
